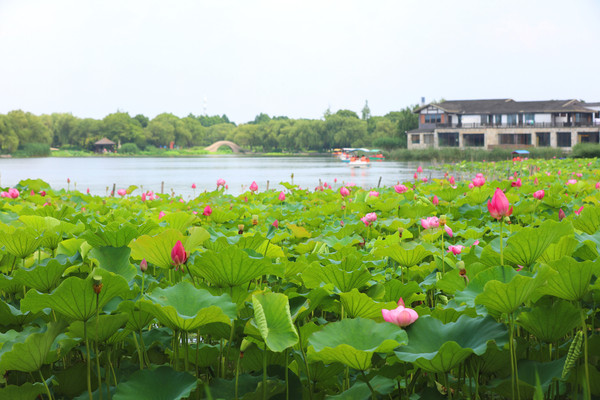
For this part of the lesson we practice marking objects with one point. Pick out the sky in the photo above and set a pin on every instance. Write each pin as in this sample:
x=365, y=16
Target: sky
x=294, y=58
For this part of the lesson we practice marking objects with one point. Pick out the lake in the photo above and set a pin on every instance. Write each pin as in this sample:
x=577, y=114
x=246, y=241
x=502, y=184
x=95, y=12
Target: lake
x=178, y=174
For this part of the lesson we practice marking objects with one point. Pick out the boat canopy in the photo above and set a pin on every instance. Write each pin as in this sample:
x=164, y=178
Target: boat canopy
x=520, y=152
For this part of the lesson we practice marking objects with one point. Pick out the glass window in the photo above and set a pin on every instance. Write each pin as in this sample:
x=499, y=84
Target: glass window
x=415, y=139
x=448, y=139
x=428, y=138
x=543, y=139
x=563, y=139
x=529, y=119
x=511, y=119
x=474, y=140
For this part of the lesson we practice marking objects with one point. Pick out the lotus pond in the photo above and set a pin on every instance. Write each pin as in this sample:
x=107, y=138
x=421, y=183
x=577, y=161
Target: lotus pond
x=486, y=293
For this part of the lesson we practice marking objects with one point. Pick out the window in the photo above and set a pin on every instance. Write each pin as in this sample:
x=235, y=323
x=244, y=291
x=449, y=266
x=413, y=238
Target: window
x=529, y=119
x=433, y=118
x=428, y=138
x=498, y=119
x=588, y=137
x=415, y=139
x=474, y=140
x=515, y=138
x=511, y=119
x=563, y=139
x=543, y=139
x=448, y=139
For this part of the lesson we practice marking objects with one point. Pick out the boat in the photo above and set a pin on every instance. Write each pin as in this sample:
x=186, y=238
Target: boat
x=347, y=153
x=359, y=164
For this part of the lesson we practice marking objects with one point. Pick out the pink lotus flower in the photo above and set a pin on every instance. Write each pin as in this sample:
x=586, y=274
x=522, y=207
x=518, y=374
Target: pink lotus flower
x=373, y=193
x=161, y=214
x=571, y=181
x=539, y=194
x=561, y=215
x=498, y=206
x=535, y=180
x=416, y=176
x=88, y=190
x=559, y=172
x=253, y=187
x=143, y=265
x=13, y=193
x=401, y=316
x=344, y=191
x=516, y=183
x=121, y=192
x=419, y=169
x=456, y=249
x=43, y=193
x=400, y=189
x=430, y=222
x=281, y=196
x=478, y=181
x=425, y=180
x=371, y=217
x=578, y=212
x=579, y=175
x=4, y=194
x=448, y=230
x=597, y=185
x=471, y=186
x=451, y=180
x=143, y=196
x=193, y=186
x=207, y=211
x=435, y=200
x=220, y=182
x=178, y=254
x=276, y=224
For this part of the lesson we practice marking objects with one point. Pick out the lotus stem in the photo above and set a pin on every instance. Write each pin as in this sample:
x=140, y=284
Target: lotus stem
x=373, y=395
x=287, y=384
x=45, y=385
x=443, y=251
x=88, y=361
x=501, y=243
x=264, y=380
x=587, y=394
x=237, y=374
x=310, y=394
x=96, y=346
x=137, y=347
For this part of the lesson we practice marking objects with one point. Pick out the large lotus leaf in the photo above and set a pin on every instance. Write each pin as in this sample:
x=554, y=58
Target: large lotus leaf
x=274, y=321
x=508, y=297
x=30, y=355
x=138, y=319
x=156, y=249
x=315, y=276
x=564, y=247
x=438, y=347
x=113, y=235
x=8, y=284
x=197, y=236
x=358, y=304
x=47, y=227
x=26, y=391
x=527, y=245
x=531, y=374
x=179, y=221
x=115, y=260
x=588, y=221
x=354, y=341
x=475, y=287
x=405, y=254
x=409, y=292
x=75, y=297
x=10, y=315
x=261, y=245
x=230, y=267
x=550, y=322
x=107, y=326
x=163, y=383
x=20, y=242
x=70, y=247
x=42, y=277
x=589, y=246
x=360, y=390
x=570, y=279
x=185, y=308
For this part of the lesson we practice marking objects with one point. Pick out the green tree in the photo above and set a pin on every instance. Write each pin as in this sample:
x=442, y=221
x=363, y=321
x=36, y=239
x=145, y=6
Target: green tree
x=366, y=111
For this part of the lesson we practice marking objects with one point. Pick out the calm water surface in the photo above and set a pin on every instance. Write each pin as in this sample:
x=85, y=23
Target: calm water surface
x=178, y=174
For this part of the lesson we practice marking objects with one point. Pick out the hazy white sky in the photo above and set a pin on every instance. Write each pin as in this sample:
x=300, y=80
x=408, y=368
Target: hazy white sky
x=291, y=57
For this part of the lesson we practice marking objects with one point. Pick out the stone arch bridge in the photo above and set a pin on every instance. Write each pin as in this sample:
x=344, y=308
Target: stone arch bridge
x=234, y=147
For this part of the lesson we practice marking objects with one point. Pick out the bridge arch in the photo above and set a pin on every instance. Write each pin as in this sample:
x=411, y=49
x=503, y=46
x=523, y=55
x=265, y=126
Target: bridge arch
x=215, y=146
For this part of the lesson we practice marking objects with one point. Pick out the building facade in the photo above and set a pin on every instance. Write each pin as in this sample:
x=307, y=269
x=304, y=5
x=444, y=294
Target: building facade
x=505, y=123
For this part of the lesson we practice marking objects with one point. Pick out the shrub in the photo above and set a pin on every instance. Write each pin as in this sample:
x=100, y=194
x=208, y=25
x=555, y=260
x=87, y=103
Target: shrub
x=34, y=150
x=129, y=148
x=586, y=150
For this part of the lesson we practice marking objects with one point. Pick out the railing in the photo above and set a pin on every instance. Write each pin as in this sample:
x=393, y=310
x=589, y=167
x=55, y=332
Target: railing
x=535, y=125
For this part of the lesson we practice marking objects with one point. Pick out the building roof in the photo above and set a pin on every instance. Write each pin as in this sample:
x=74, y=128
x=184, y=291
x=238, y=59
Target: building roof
x=104, y=141
x=508, y=106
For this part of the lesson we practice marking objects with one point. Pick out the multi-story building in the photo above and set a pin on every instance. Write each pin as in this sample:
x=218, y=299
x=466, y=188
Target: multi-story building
x=505, y=123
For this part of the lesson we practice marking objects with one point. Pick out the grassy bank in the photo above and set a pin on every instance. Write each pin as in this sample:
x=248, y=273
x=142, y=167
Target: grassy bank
x=448, y=154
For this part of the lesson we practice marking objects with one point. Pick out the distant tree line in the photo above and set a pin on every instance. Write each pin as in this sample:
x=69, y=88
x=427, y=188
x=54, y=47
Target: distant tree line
x=344, y=128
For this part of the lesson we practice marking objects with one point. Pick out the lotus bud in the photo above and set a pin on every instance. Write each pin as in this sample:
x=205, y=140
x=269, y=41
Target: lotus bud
x=443, y=299
x=97, y=284
x=144, y=265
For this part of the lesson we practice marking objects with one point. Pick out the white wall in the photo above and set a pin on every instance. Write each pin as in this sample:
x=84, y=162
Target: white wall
x=543, y=118
x=470, y=119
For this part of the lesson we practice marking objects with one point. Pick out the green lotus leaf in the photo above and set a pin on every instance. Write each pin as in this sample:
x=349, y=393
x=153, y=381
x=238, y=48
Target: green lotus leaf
x=531, y=374
x=345, y=280
x=185, y=308
x=156, y=249
x=475, y=287
x=564, y=247
x=508, y=297
x=33, y=184
x=550, y=321
x=115, y=260
x=360, y=391
x=570, y=279
x=138, y=319
x=205, y=356
x=274, y=322
x=358, y=304
x=261, y=245
x=112, y=235
x=20, y=242
x=438, y=347
x=198, y=235
x=75, y=297
x=10, y=315
x=230, y=267
x=162, y=383
x=107, y=326
x=527, y=245
x=405, y=254
x=70, y=247
x=180, y=221
x=354, y=341
x=588, y=221
x=26, y=391
x=9, y=284
x=30, y=355
x=42, y=277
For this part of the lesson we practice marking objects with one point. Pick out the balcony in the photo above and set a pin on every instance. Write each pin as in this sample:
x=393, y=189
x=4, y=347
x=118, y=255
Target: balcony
x=535, y=125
